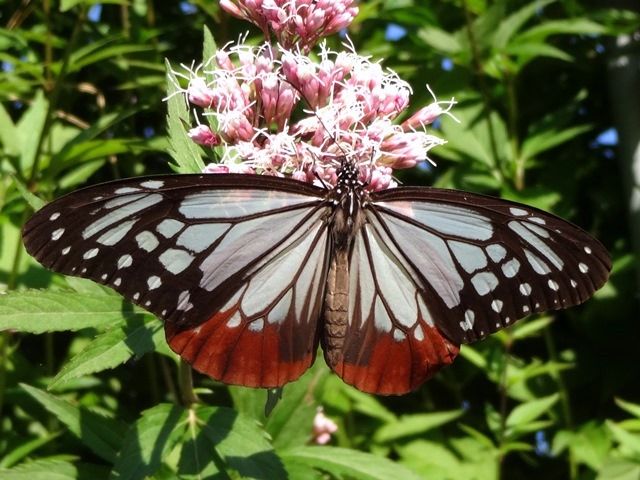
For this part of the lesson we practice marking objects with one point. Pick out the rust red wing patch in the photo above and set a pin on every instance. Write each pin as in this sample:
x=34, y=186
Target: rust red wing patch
x=375, y=362
x=241, y=355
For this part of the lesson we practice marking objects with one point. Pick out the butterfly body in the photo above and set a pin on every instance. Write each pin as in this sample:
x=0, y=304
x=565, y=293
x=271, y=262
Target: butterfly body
x=251, y=273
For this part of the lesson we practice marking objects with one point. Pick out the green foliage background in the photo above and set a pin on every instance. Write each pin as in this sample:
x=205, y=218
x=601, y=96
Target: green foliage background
x=88, y=388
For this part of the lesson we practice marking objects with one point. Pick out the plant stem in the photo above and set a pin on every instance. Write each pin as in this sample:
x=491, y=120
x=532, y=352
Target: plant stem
x=504, y=397
x=484, y=90
x=185, y=382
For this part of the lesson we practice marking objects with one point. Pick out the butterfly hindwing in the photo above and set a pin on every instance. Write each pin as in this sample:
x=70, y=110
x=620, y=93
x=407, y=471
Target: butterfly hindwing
x=485, y=262
x=391, y=344
x=233, y=264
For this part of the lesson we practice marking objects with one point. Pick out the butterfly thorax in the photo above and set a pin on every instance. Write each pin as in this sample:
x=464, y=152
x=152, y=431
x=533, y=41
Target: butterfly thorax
x=345, y=222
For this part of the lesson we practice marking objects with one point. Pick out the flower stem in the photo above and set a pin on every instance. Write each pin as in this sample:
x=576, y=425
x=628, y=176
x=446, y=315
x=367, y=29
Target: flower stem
x=185, y=381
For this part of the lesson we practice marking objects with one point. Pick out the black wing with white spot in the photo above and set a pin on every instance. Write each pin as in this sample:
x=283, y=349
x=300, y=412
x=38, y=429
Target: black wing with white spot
x=234, y=264
x=485, y=262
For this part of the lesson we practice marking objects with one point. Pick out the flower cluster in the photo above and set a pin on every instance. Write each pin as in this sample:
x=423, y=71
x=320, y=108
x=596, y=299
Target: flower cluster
x=295, y=23
x=346, y=105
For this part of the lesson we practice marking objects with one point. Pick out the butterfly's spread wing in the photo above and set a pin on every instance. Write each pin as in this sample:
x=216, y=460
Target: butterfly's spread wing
x=234, y=264
x=482, y=262
x=391, y=345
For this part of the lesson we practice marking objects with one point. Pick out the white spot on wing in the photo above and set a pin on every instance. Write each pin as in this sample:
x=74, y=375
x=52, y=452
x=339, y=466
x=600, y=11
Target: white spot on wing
x=574, y=284
x=117, y=282
x=518, y=212
x=510, y=269
x=152, y=184
x=525, y=289
x=125, y=261
x=469, y=319
x=381, y=317
x=418, y=333
x=66, y=250
x=496, y=252
x=398, y=335
x=147, y=241
x=154, y=282
x=183, y=301
x=54, y=216
x=538, y=220
x=90, y=253
x=117, y=233
x=587, y=250
x=198, y=238
x=278, y=314
x=470, y=257
x=57, y=234
x=175, y=260
x=169, y=227
x=256, y=325
x=235, y=320
x=536, y=243
x=496, y=305
x=124, y=190
x=484, y=282
x=553, y=285
x=121, y=213
x=583, y=267
x=537, y=264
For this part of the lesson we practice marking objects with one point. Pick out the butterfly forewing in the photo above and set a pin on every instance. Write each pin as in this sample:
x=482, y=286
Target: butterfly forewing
x=234, y=264
x=485, y=262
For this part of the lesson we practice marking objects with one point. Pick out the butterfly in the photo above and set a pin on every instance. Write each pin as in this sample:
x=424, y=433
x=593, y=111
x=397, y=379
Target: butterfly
x=250, y=273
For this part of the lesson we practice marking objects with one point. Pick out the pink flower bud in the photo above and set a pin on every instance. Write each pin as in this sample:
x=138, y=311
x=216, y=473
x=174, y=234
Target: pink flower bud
x=203, y=135
x=424, y=116
x=199, y=93
x=323, y=427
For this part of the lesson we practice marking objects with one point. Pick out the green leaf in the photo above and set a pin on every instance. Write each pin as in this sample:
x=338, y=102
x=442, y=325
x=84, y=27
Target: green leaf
x=239, y=442
x=417, y=424
x=102, y=435
x=529, y=411
x=42, y=469
x=439, y=40
x=149, y=441
x=510, y=25
x=530, y=328
x=8, y=133
x=35, y=202
x=531, y=50
x=547, y=139
x=25, y=448
x=113, y=348
x=619, y=469
x=35, y=311
x=569, y=26
x=30, y=128
x=629, y=443
x=183, y=150
x=632, y=408
x=342, y=462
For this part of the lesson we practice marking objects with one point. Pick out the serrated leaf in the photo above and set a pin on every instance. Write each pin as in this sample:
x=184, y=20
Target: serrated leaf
x=342, y=462
x=102, y=435
x=529, y=411
x=184, y=152
x=36, y=311
x=113, y=348
x=417, y=424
